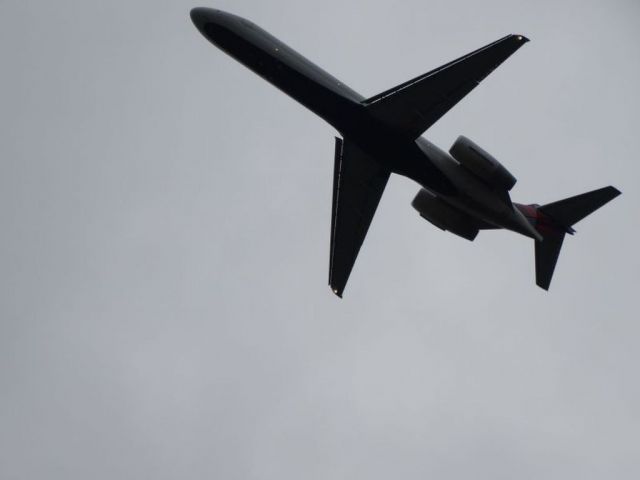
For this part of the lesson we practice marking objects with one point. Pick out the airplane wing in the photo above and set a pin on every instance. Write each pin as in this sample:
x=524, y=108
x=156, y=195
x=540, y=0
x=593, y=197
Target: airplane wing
x=412, y=107
x=358, y=184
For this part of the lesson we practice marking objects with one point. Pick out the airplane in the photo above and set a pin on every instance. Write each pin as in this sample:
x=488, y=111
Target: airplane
x=463, y=191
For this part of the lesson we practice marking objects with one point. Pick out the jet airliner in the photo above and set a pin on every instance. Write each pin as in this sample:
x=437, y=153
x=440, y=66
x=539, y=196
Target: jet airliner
x=463, y=191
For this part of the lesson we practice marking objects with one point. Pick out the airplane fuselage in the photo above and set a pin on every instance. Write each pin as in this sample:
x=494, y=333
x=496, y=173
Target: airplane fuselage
x=463, y=191
x=341, y=107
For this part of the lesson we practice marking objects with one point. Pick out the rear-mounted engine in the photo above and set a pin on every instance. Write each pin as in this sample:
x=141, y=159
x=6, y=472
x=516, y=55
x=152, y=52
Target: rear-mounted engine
x=482, y=164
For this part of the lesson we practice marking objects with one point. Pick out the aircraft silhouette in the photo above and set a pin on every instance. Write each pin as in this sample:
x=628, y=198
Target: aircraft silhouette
x=463, y=191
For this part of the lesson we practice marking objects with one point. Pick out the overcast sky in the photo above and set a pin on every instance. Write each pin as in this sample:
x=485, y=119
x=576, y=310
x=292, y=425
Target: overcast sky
x=164, y=309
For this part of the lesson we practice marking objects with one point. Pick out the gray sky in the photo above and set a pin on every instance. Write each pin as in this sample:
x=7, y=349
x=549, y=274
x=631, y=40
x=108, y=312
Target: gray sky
x=164, y=311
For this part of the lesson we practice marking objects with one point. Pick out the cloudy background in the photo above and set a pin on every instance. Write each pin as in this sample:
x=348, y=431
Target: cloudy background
x=165, y=217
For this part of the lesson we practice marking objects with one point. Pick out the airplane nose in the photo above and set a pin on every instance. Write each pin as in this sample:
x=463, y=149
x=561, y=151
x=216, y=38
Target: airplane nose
x=201, y=16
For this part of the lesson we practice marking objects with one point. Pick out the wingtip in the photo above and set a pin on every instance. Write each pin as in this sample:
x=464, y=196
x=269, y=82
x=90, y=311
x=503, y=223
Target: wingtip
x=543, y=287
x=615, y=191
x=521, y=38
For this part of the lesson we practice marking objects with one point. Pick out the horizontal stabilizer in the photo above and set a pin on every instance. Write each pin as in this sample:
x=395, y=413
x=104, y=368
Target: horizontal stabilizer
x=412, y=107
x=571, y=210
x=555, y=219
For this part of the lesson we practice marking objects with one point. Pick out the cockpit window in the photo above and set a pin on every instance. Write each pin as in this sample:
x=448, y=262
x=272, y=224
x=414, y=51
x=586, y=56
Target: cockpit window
x=249, y=24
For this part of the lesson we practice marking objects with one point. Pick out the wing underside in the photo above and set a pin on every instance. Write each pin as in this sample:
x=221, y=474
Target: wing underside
x=358, y=184
x=408, y=109
x=412, y=107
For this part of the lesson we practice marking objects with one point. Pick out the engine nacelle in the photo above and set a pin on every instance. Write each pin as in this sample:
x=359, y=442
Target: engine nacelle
x=482, y=164
x=444, y=216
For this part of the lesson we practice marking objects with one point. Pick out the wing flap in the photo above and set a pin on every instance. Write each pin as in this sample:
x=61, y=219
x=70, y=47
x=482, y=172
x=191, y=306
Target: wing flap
x=358, y=184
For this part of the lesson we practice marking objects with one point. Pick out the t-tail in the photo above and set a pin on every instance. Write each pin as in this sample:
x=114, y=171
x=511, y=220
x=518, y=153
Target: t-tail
x=556, y=219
